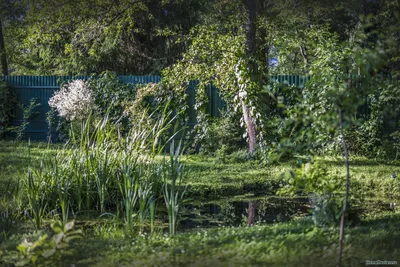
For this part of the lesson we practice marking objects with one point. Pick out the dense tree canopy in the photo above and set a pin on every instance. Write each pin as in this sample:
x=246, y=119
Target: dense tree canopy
x=145, y=36
x=85, y=37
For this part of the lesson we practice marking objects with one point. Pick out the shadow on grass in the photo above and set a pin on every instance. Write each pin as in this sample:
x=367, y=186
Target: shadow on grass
x=88, y=252
x=360, y=163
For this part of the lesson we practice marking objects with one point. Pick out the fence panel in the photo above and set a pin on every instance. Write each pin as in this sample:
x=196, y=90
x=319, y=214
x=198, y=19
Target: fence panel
x=42, y=88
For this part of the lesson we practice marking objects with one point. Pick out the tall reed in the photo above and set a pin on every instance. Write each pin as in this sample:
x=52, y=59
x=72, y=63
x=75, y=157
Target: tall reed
x=173, y=172
x=63, y=185
x=145, y=197
x=100, y=167
x=152, y=213
x=128, y=180
x=37, y=195
x=9, y=210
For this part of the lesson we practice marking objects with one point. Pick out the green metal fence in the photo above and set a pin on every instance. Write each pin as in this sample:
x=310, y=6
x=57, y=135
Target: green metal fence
x=43, y=87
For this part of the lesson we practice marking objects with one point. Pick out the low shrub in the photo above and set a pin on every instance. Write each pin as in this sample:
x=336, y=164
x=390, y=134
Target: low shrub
x=110, y=95
x=325, y=190
x=223, y=136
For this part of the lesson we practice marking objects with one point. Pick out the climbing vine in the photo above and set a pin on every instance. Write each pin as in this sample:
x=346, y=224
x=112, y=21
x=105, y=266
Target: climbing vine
x=215, y=58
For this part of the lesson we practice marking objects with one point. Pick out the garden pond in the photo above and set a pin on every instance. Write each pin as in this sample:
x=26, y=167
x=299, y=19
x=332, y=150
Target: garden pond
x=241, y=211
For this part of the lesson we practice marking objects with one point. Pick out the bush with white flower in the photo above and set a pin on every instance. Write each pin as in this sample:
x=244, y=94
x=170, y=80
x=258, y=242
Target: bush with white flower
x=73, y=101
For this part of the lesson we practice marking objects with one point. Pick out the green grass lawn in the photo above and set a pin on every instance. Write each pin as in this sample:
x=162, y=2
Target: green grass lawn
x=297, y=243
x=212, y=178
x=15, y=157
x=294, y=243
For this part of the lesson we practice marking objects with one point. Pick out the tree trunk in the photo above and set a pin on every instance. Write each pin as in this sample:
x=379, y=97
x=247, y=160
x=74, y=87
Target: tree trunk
x=250, y=127
x=303, y=52
x=346, y=197
x=250, y=11
x=3, y=55
x=251, y=213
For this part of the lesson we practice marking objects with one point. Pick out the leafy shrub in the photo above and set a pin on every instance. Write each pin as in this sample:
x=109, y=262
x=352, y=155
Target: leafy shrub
x=325, y=192
x=374, y=132
x=7, y=104
x=326, y=209
x=27, y=113
x=321, y=186
x=48, y=251
x=396, y=143
x=110, y=95
x=149, y=97
x=223, y=136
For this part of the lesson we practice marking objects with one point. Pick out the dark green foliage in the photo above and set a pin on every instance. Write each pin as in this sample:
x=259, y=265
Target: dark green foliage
x=8, y=104
x=28, y=112
x=51, y=120
x=222, y=136
x=89, y=37
x=281, y=101
x=376, y=133
x=46, y=251
x=111, y=95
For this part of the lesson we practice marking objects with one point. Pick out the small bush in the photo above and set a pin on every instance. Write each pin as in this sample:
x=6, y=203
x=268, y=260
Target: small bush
x=110, y=95
x=28, y=112
x=323, y=188
x=48, y=251
x=223, y=136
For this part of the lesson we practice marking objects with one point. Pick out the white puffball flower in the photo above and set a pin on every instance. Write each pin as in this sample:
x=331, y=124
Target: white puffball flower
x=73, y=101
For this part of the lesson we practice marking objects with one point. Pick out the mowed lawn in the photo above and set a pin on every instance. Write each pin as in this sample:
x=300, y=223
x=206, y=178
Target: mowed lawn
x=210, y=177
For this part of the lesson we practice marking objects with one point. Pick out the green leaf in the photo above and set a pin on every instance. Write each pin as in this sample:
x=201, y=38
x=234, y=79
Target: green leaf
x=48, y=253
x=57, y=227
x=69, y=226
x=57, y=238
x=22, y=263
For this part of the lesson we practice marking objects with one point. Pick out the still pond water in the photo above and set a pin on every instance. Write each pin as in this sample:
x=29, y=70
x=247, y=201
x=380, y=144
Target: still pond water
x=240, y=211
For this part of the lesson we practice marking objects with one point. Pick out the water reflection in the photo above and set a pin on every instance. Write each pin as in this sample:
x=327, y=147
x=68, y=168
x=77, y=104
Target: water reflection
x=243, y=212
x=231, y=212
